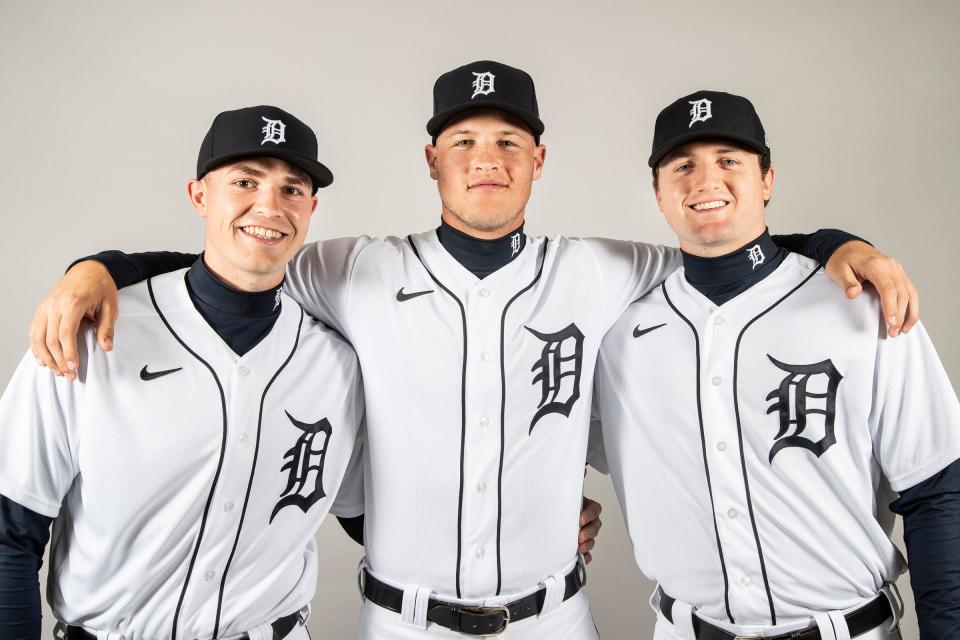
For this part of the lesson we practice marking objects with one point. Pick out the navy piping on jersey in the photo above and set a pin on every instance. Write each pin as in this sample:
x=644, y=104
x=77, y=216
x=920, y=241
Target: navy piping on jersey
x=253, y=469
x=743, y=460
x=216, y=476
x=703, y=447
x=503, y=404
x=463, y=407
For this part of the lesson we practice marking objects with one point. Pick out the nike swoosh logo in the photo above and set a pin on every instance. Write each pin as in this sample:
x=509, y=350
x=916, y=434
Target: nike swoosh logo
x=637, y=331
x=403, y=297
x=153, y=375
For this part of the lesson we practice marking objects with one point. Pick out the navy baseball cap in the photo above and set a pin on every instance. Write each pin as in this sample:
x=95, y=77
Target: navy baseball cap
x=485, y=85
x=262, y=131
x=707, y=114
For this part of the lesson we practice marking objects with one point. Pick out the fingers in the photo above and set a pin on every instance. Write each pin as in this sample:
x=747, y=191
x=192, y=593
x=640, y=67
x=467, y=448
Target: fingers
x=589, y=532
x=105, y=323
x=913, y=307
x=51, y=341
x=585, y=547
x=38, y=339
x=587, y=558
x=66, y=337
x=591, y=511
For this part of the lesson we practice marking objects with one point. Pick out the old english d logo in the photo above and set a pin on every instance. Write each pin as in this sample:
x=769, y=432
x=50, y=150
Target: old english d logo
x=795, y=402
x=558, y=370
x=304, y=466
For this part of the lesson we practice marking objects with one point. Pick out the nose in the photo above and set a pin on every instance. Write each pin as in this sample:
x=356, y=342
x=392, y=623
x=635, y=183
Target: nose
x=708, y=177
x=486, y=158
x=268, y=202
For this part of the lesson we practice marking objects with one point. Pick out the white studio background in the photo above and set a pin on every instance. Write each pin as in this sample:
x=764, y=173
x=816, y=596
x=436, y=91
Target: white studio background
x=103, y=106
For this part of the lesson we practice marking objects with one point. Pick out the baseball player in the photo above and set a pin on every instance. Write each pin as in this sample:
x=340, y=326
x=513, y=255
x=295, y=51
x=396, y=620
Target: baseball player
x=477, y=344
x=187, y=472
x=757, y=461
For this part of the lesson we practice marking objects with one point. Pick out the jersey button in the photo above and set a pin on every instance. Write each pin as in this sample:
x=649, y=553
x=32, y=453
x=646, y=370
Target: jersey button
x=716, y=381
x=243, y=371
x=210, y=575
x=485, y=356
x=484, y=422
x=719, y=320
x=479, y=553
x=721, y=446
x=484, y=293
x=228, y=506
x=481, y=487
x=243, y=437
x=745, y=581
x=731, y=513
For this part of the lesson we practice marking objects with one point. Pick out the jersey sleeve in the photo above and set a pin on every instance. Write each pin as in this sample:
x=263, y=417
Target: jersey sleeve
x=319, y=279
x=129, y=269
x=38, y=436
x=915, y=419
x=629, y=270
x=349, y=500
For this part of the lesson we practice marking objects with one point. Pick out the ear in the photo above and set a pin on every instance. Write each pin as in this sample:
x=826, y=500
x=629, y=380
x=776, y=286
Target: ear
x=768, y=183
x=197, y=192
x=430, y=153
x=656, y=193
x=539, y=157
x=313, y=207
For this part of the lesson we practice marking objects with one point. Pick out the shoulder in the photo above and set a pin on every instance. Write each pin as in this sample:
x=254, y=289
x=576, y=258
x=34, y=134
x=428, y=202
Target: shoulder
x=140, y=299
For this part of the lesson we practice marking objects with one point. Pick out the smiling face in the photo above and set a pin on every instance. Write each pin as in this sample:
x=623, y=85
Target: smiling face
x=485, y=165
x=712, y=195
x=257, y=212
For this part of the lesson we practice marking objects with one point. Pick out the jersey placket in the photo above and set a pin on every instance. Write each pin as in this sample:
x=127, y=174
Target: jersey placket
x=242, y=386
x=481, y=447
x=744, y=572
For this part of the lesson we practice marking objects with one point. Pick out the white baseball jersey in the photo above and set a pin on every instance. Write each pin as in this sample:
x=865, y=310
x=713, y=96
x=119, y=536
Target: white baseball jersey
x=478, y=397
x=753, y=445
x=187, y=482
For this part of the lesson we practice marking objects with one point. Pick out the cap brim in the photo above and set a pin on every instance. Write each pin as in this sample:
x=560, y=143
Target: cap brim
x=438, y=122
x=663, y=150
x=319, y=174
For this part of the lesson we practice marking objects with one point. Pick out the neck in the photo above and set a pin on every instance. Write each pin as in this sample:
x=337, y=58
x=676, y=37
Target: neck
x=239, y=279
x=482, y=234
x=481, y=256
x=721, y=278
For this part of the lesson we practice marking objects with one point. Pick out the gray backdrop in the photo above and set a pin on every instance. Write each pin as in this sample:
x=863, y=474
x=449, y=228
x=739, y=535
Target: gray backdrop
x=103, y=106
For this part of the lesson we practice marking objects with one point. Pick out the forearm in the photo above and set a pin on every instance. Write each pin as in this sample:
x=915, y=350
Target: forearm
x=23, y=536
x=931, y=525
x=128, y=269
x=819, y=245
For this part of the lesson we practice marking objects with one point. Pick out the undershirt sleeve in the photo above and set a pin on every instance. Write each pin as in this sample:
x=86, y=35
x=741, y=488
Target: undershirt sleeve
x=128, y=269
x=23, y=536
x=931, y=529
x=819, y=245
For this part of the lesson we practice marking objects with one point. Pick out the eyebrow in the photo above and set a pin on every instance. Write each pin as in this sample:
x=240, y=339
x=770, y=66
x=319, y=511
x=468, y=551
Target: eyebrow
x=505, y=132
x=684, y=153
x=256, y=173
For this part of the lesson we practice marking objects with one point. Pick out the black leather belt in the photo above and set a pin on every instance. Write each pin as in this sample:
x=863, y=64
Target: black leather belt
x=470, y=620
x=866, y=618
x=281, y=627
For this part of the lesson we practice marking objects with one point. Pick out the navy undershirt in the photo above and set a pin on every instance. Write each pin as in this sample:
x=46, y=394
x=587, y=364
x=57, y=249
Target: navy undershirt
x=724, y=277
x=481, y=257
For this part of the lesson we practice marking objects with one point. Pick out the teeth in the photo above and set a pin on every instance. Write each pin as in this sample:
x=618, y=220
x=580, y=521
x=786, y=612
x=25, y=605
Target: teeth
x=260, y=232
x=703, y=206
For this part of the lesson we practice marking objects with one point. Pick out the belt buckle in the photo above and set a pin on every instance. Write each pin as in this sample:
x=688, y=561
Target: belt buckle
x=491, y=610
x=752, y=636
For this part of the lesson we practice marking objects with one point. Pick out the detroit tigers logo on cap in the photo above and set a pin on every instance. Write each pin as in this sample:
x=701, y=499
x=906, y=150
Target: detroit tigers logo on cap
x=807, y=389
x=273, y=131
x=482, y=84
x=700, y=112
x=558, y=370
